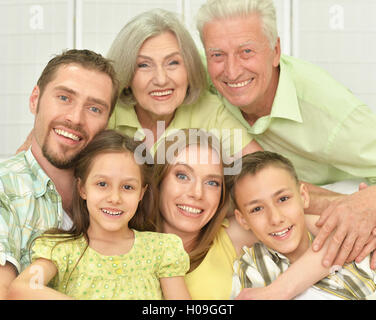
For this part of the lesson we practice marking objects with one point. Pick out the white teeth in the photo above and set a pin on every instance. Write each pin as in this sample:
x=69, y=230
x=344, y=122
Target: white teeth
x=112, y=213
x=238, y=84
x=67, y=134
x=161, y=93
x=281, y=233
x=189, y=209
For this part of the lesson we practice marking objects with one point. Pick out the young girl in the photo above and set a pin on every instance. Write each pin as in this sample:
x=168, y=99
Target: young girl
x=103, y=256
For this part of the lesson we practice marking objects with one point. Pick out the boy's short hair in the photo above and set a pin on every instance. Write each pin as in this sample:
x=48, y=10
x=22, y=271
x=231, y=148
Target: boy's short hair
x=85, y=58
x=253, y=163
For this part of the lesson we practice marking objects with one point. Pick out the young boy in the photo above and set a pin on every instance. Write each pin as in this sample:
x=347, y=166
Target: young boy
x=270, y=201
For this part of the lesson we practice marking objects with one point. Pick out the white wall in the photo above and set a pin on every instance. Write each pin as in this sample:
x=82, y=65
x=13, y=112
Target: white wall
x=339, y=35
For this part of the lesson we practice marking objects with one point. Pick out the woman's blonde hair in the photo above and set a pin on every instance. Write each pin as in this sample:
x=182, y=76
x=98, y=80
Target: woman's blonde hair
x=224, y=9
x=124, y=51
x=199, y=138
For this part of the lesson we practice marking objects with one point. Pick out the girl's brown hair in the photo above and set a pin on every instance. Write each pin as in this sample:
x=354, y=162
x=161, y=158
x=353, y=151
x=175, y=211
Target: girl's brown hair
x=184, y=139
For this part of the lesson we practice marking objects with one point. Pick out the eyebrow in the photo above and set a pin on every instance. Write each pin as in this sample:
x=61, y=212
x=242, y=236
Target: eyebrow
x=97, y=176
x=247, y=204
x=166, y=57
x=216, y=176
x=89, y=99
x=239, y=46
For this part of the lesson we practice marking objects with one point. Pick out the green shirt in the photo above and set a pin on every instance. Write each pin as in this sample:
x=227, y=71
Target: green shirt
x=207, y=113
x=327, y=133
x=29, y=205
x=84, y=273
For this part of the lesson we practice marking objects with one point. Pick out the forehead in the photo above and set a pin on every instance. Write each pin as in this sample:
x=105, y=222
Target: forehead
x=234, y=31
x=83, y=80
x=267, y=179
x=164, y=41
x=118, y=163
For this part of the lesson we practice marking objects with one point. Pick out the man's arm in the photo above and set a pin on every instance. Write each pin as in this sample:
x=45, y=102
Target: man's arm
x=7, y=274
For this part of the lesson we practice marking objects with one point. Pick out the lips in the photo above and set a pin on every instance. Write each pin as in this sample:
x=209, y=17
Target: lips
x=161, y=93
x=281, y=234
x=67, y=134
x=189, y=210
x=112, y=212
x=239, y=84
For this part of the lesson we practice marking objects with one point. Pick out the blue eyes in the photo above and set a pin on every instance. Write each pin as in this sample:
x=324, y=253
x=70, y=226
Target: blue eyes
x=213, y=183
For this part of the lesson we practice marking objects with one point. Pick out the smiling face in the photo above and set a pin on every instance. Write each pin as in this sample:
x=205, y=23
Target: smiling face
x=190, y=193
x=112, y=191
x=271, y=204
x=160, y=82
x=241, y=64
x=73, y=107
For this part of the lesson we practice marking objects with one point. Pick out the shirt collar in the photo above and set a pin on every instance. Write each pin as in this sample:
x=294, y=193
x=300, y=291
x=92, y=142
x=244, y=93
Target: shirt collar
x=40, y=179
x=128, y=116
x=286, y=103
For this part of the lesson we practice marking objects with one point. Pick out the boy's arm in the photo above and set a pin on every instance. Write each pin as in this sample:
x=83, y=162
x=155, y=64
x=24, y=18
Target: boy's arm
x=32, y=283
x=7, y=274
x=300, y=276
x=174, y=288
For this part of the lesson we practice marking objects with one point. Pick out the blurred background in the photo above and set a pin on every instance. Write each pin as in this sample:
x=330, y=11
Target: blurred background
x=338, y=35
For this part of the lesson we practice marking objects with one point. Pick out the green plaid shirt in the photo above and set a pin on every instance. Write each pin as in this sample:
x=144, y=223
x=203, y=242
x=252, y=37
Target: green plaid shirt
x=259, y=266
x=29, y=205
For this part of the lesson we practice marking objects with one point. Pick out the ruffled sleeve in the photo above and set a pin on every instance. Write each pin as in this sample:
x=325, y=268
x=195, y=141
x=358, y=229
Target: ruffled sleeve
x=55, y=249
x=175, y=261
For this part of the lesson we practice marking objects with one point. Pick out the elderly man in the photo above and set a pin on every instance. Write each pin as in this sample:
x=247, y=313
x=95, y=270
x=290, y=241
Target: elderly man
x=294, y=108
x=72, y=102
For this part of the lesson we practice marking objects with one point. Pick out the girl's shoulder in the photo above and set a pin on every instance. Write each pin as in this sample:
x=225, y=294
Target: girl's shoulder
x=62, y=239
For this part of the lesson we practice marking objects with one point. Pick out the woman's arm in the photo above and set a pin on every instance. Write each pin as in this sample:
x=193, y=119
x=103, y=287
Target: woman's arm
x=32, y=283
x=174, y=288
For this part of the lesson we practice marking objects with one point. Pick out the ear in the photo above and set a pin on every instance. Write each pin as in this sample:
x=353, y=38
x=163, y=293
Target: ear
x=277, y=53
x=304, y=195
x=81, y=189
x=33, y=100
x=240, y=219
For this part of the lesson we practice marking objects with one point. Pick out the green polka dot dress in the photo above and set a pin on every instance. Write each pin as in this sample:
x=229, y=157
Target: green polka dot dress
x=134, y=275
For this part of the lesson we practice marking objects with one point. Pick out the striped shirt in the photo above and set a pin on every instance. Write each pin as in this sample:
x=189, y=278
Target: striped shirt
x=259, y=266
x=29, y=205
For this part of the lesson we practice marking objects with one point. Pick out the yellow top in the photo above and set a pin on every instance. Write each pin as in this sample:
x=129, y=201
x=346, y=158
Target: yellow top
x=212, y=279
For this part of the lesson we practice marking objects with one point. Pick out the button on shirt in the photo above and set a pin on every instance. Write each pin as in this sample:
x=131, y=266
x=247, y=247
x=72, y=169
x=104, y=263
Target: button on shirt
x=327, y=133
x=29, y=205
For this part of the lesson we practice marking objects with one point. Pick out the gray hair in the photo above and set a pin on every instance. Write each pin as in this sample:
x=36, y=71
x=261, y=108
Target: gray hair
x=124, y=51
x=223, y=9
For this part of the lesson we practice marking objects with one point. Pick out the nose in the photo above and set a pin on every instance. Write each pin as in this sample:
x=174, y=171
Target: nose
x=75, y=114
x=196, y=190
x=276, y=217
x=114, y=196
x=232, y=67
x=160, y=76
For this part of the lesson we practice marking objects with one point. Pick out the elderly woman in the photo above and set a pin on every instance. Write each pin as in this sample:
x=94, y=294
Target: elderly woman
x=193, y=203
x=163, y=84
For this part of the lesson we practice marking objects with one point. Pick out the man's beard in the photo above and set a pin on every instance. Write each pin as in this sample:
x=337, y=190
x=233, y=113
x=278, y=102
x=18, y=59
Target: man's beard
x=58, y=162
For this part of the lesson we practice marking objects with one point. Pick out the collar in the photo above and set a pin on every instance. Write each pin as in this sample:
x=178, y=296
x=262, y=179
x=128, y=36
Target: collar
x=41, y=181
x=126, y=116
